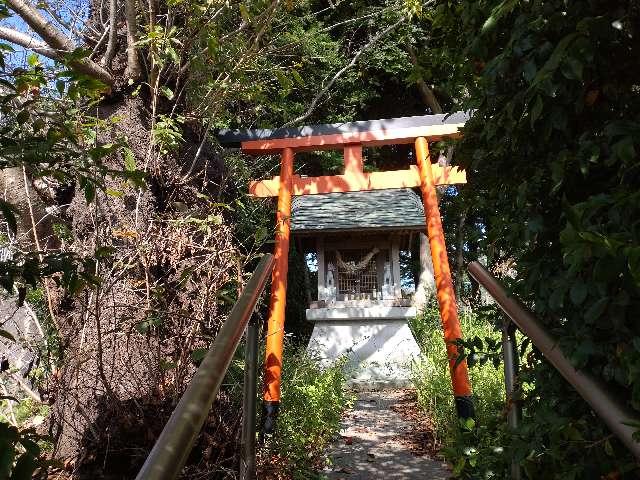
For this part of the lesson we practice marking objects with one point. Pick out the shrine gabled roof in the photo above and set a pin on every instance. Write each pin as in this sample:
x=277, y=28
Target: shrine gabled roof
x=394, y=209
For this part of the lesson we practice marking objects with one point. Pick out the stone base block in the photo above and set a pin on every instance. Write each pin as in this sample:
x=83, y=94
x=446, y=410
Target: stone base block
x=378, y=351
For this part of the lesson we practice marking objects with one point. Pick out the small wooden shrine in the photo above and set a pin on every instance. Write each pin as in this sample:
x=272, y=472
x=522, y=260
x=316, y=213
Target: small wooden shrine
x=362, y=307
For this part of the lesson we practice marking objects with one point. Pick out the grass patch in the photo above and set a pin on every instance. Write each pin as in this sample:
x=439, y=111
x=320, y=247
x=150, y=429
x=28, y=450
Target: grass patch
x=476, y=452
x=313, y=399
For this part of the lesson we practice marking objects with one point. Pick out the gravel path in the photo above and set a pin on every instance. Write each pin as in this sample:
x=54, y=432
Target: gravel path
x=373, y=444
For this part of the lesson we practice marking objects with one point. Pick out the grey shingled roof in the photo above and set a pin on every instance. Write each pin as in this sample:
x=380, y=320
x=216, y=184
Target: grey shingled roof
x=377, y=209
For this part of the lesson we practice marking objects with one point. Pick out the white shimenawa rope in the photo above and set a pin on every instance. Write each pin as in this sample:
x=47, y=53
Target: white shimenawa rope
x=353, y=267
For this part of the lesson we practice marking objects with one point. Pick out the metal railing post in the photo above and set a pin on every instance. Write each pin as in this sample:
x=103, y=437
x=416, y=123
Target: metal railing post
x=511, y=366
x=179, y=434
x=604, y=399
x=249, y=400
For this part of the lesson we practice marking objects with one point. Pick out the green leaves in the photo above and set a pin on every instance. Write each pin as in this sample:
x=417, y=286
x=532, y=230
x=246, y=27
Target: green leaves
x=633, y=262
x=198, y=355
x=552, y=156
x=25, y=466
x=596, y=310
x=33, y=60
x=313, y=399
x=167, y=134
x=129, y=160
x=13, y=441
x=22, y=117
x=244, y=13
x=555, y=59
x=624, y=150
x=284, y=81
x=578, y=293
x=89, y=188
x=163, y=43
x=536, y=110
x=54, y=136
x=152, y=322
x=501, y=10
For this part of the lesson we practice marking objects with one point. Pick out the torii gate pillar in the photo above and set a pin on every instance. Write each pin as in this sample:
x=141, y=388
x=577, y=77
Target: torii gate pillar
x=278, y=302
x=444, y=283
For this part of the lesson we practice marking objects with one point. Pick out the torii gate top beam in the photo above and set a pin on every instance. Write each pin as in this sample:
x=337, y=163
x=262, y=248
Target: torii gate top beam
x=336, y=136
x=350, y=138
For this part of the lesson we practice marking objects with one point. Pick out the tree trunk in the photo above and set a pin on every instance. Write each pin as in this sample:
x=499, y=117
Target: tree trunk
x=426, y=287
x=460, y=255
x=27, y=202
x=129, y=343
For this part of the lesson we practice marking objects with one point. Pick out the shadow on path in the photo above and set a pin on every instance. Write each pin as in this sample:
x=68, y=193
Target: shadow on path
x=371, y=444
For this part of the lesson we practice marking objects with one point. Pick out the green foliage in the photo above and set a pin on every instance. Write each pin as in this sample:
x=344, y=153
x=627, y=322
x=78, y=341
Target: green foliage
x=27, y=411
x=20, y=454
x=471, y=449
x=166, y=133
x=52, y=134
x=50, y=350
x=313, y=399
x=297, y=302
x=551, y=155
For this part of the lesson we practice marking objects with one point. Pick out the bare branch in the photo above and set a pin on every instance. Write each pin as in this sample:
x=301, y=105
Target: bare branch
x=99, y=44
x=26, y=388
x=430, y=100
x=57, y=17
x=57, y=40
x=340, y=72
x=354, y=20
x=111, y=44
x=63, y=23
x=24, y=40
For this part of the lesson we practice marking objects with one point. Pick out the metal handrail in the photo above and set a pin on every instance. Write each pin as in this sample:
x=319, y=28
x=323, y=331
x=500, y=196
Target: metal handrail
x=179, y=434
x=600, y=396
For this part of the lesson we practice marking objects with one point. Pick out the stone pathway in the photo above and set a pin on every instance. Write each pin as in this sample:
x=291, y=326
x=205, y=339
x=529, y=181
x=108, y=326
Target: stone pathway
x=371, y=445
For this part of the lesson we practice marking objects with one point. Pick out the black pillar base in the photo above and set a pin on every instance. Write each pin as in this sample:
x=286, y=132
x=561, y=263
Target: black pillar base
x=270, y=416
x=464, y=407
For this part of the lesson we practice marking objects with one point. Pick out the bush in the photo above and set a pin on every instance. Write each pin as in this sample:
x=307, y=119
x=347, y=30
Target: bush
x=474, y=448
x=313, y=399
x=551, y=153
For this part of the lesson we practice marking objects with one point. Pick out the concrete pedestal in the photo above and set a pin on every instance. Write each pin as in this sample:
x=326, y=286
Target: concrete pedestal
x=375, y=340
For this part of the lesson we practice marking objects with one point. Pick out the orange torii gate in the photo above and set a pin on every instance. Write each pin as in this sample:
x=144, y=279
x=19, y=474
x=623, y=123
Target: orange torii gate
x=351, y=137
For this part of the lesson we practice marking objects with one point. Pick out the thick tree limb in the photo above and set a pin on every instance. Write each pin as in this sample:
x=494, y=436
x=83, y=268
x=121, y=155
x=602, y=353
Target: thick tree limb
x=428, y=97
x=24, y=40
x=340, y=72
x=112, y=29
x=43, y=27
x=134, y=70
x=57, y=40
x=430, y=100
